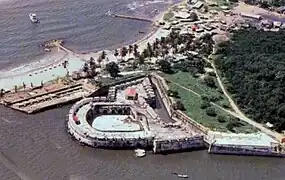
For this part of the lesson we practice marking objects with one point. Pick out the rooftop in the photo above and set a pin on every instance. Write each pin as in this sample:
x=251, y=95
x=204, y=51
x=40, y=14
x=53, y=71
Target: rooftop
x=257, y=139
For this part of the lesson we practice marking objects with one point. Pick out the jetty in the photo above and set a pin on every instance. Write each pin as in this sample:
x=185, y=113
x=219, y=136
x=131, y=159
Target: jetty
x=133, y=18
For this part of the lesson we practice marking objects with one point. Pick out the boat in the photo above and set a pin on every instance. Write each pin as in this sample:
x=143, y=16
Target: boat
x=185, y=176
x=33, y=18
x=140, y=152
x=109, y=13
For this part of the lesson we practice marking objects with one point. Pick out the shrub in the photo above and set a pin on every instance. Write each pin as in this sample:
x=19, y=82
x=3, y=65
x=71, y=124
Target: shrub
x=211, y=111
x=221, y=119
x=179, y=106
x=205, y=104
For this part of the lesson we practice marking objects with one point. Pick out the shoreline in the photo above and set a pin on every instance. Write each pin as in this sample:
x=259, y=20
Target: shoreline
x=38, y=64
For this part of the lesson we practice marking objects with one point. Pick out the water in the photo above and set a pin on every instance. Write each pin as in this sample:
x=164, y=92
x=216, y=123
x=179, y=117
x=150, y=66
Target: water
x=38, y=147
x=83, y=25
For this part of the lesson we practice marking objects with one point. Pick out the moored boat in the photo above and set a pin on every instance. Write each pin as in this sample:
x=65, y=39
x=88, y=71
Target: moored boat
x=140, y=152
x=33, y=18
x=185, y=176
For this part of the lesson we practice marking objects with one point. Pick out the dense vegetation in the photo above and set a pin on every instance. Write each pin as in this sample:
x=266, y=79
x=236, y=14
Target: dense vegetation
x=253, y=64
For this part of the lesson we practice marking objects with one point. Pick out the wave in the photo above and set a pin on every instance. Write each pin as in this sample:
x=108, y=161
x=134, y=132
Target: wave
x=135, y=5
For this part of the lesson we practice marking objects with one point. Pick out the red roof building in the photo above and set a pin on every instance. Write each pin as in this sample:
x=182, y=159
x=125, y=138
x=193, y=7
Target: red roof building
x=131, y=94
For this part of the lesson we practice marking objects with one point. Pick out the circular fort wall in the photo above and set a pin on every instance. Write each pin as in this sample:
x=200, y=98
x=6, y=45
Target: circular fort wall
x=82, y=131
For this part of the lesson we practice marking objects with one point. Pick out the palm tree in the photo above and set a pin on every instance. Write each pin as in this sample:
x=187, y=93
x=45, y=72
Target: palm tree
x=103, y=55
x=116, y=53
x=91, y=61
x=124, y=51
x=99, y=60
x=136, y=47
x=85, y=67
x=131, y=48
x=2, y=92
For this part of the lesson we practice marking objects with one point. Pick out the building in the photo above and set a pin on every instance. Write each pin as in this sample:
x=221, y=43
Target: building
x=242, y=144
x=131, y=94
x=198, y=5
x=253, y=16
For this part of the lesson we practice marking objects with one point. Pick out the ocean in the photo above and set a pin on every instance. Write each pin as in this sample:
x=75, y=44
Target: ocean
x=38, y=146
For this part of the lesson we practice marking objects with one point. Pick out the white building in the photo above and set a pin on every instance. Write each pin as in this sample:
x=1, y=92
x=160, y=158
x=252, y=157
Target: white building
x=242, y=144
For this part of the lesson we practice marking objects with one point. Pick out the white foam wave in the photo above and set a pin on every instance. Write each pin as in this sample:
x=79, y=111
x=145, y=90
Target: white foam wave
x=135, y=5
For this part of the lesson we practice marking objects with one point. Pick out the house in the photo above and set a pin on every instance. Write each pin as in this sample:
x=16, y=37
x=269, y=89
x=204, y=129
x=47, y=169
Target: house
x=131, y=94
x=182, y=15
x=198, y=5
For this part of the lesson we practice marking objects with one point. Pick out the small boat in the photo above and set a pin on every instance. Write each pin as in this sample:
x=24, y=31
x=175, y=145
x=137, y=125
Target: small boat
x=33, y=18
x=140, y=152
x=141, y=32
x=109, y=13
x=185, y=176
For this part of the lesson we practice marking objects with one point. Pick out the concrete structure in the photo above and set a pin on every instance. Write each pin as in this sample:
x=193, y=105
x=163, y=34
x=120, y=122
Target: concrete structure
x=119, y=122
x=198, y=5
x=243, y=144
x=253, y=16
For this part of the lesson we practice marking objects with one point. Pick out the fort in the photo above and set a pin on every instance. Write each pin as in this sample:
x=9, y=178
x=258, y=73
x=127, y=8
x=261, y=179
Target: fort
x=128, y=118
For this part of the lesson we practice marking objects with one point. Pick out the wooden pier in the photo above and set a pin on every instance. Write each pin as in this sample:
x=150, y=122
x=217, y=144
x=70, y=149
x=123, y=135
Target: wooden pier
x=133, y=18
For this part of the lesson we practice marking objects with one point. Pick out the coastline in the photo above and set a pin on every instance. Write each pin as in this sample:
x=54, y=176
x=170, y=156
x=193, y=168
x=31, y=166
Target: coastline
x=44, y=62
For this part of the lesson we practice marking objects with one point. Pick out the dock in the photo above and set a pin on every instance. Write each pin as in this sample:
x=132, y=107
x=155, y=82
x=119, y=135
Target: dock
x=47, y=96
x=133, y=18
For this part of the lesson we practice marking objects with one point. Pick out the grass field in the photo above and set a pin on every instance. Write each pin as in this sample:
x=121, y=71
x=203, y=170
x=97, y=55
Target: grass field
x=187, y=80
x=192, y=105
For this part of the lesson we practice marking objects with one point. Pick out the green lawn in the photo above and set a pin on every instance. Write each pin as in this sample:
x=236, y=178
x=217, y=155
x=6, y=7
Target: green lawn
x=187, y=80
x=192, y=105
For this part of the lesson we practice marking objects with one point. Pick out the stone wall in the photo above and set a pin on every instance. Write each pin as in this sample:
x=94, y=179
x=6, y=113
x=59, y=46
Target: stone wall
x=183, y=144
x=239, y=150
x=162, y=88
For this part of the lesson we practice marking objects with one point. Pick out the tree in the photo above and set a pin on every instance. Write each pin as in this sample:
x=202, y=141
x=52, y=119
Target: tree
x=141, y=59
x=124, y=51
x=179, y=106
x=221, y=119
x=165, y=66
x=149, y=50
x=209, y=81
x=103, y=55
x=99, y=60
x=211, y=111
x=85, y=67
x=2, y=92
x=193, y=16
x=205, y=104
x=131, y=48
x=116, y=53
x=91, y=62
x=113, y=69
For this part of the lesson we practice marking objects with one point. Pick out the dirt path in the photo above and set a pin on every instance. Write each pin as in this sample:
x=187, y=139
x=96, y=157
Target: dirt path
x=218, y=106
